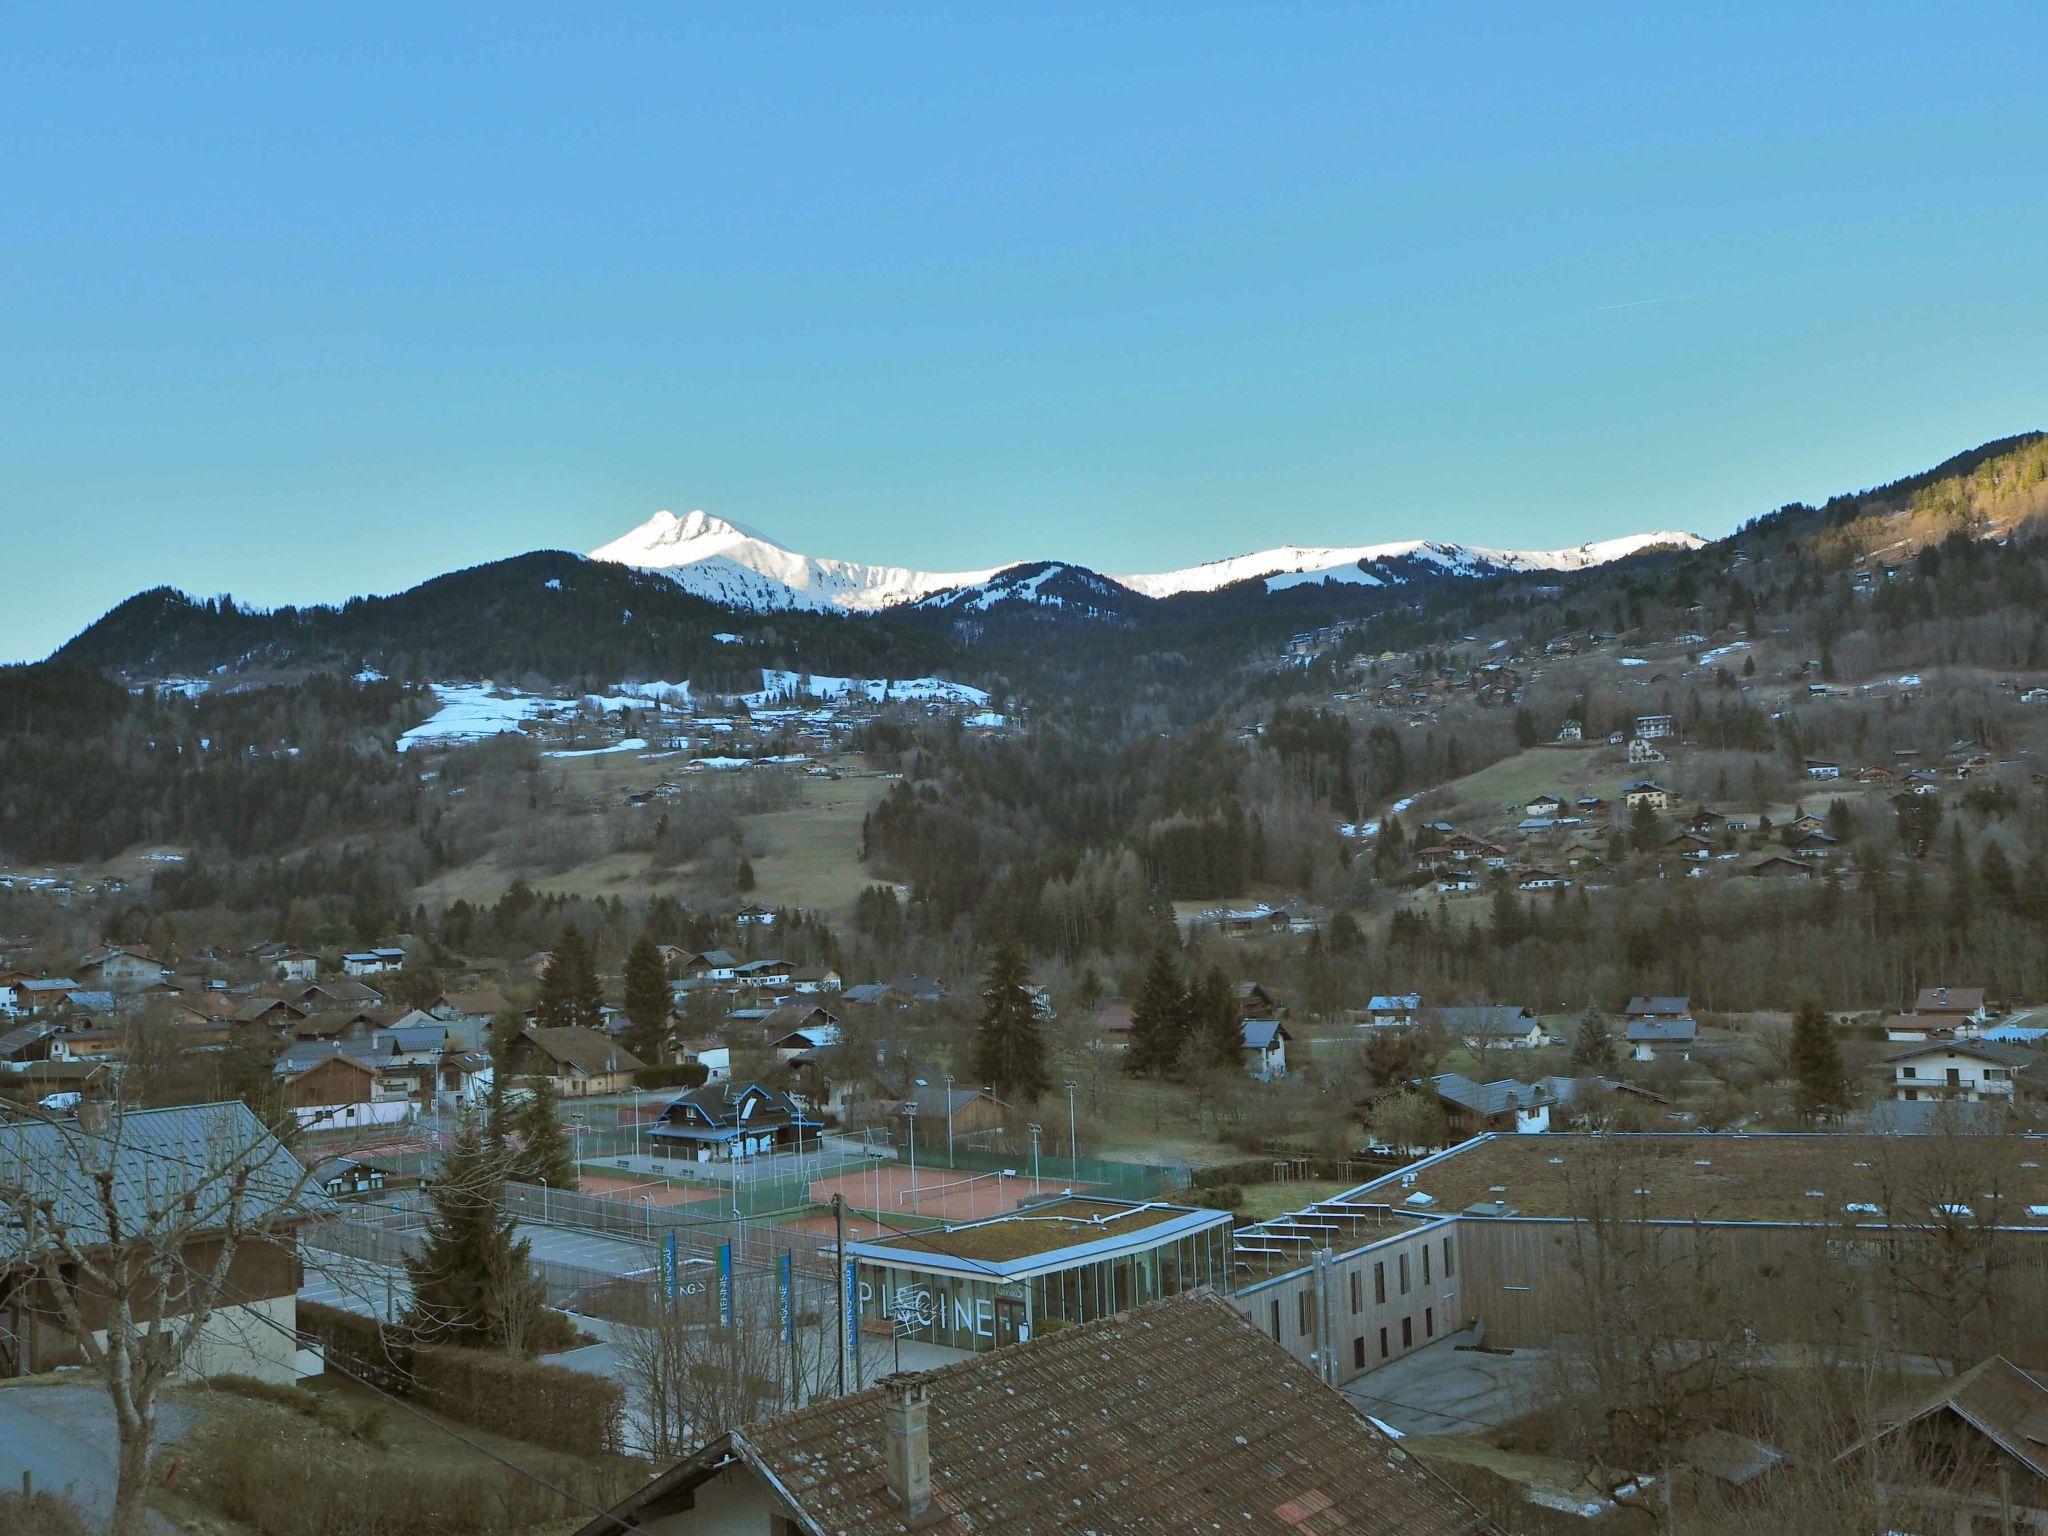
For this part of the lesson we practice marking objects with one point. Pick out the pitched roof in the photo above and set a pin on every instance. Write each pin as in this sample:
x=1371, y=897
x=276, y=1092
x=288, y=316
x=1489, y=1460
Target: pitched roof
x=1500, y=1019
x=1949, y=1000
x=1994, y=1397
x=1997, y=1052
x=1175, y=1417
x=586, y=1050
x=1676, y=1005
x=1262, y=1034
x=1494, y=1098
x=1662, y=1031
x=156, y=1157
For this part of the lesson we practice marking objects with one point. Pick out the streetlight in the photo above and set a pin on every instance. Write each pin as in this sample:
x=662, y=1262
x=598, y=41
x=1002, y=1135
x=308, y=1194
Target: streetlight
x=1034, y=1159
x=543, y=1198
x=647, y=1215
x=949, y=1121
x=910, y=1111
x=1073, y=1136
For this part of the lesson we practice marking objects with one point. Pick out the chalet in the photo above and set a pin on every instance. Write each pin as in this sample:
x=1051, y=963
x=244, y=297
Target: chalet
x=1393, y=1010
x=1114, y=1021
x=1503, y=1105
x=1653, y=1009
x=272, y=1013
x=1688, y=845
x=1543, y=806
x=335, y=992
x=1021, y=1436
x=729, y=1121
x=1912, y=1029
x=479, y=1003
x=1571, y=731
x=1777, y=866
x=1970, y=1070
x=1954, y=1005
x=1255, y=1002
x=330, y=1085
x=947, y=1114
x=1813, y=845
x=578, y=1061
x=1544, y=880
x=1265, y=1048
x=122, y=970
x=795, y=1028
x=350, y=1178
x=1655, y=727
x=1821, y=768
x=1965, y=1453
x=247, y=1179
x=1876, y=773
x=38, y=996
x=752, y=914
x=762, y=973
x=1645, y=793
x=814, y=979
x=287, y=964
x=1662, y=1039
x=1643, y=751
x=1492, y=1027
x=39, y=1041
x=372, y=962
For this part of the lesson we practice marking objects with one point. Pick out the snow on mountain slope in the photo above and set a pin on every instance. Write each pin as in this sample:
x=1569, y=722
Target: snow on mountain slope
x=732, y=564
x=1292, y=566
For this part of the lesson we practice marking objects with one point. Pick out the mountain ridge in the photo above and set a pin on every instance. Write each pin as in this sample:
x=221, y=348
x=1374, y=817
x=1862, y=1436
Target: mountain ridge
x=732, y=563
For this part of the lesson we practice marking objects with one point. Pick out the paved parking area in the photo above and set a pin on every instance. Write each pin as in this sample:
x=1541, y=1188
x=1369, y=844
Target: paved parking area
x=63, y=1437
x=1443, y=1390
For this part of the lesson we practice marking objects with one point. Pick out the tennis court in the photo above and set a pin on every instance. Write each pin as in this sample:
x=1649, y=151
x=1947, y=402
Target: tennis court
x=885, y=1187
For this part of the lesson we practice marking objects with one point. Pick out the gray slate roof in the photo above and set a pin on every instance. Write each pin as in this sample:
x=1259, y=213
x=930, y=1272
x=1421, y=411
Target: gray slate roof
x=1663, y=1031
x=158, y=1158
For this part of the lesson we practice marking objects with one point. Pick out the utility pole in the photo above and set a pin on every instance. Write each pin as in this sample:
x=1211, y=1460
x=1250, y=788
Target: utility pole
x=1073, y=1135
x=1034, y=1160
x=910, y=1112
x=949, y=1121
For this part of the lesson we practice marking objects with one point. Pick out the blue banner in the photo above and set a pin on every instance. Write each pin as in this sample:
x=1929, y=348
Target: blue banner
x=668, y=1266
x=852, y=1314
x=725, y=1283
x=783, y=1281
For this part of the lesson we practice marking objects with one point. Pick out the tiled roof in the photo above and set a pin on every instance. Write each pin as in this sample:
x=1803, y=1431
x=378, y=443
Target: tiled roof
x=1662, y=1031
x=1489, y=1098
x=584, y=1049
x=1176, y=1417
x=1673, y=1005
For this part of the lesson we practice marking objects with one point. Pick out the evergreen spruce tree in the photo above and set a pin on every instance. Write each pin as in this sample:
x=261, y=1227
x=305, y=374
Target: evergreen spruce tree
x=472, y=1274
x=1009, y=1052
x=543, y=1145
x=1592, y=1046
x=1215, y=1025
x=1820, y=1089
x=554, y=1009
x=1159, y=1018
x=586, y=996
x=645, y=986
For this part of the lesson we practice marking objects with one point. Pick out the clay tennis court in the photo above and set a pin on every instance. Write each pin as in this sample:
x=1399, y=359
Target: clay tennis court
x=885, y=1187
x=627, y=1188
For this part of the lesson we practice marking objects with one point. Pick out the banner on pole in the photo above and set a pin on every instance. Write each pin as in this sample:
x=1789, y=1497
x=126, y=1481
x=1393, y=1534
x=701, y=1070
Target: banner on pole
x=725, y=1283
x=668, y=1266
x=783, y=1278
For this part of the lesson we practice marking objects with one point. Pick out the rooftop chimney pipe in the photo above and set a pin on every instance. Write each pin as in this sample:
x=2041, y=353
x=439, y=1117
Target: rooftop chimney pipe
x=906, y=1424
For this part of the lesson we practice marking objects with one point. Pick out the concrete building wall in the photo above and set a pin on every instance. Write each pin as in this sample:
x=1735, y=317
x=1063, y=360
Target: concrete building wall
x=1419, y=1273
x=733, y=1502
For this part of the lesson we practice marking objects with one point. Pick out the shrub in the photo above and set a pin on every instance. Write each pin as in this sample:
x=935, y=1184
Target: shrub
x=362, y=1346
x=545, y=1404
x=47, y=1514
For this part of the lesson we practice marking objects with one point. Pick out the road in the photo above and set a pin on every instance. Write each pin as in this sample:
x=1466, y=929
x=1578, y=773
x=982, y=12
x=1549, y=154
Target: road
x=63, y=1436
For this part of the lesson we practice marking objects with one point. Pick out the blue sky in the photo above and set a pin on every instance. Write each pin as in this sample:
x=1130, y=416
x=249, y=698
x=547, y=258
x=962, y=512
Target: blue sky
x=300, y=303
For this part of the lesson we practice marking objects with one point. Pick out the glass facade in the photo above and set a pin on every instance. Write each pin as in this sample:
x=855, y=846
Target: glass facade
x=976, y=1312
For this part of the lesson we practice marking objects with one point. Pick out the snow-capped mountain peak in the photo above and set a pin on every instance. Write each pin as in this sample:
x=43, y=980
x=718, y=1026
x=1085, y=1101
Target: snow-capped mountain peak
x=732, y=564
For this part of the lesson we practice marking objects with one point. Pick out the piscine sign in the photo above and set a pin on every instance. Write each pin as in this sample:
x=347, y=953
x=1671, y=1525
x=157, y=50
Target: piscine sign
x=976, y=1315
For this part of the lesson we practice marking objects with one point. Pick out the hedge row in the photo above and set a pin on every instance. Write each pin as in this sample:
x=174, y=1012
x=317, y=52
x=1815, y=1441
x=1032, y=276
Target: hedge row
x=548, y=1405
x=541, y=1404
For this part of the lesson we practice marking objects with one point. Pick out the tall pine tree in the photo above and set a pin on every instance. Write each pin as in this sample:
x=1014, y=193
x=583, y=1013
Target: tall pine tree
x=1215, y=1025
x=1820, y=1088
x=645, y=987
x=543, y=1146
x=1009, y=1052
x=472, y=1275
x=569, y=990
x=1593, y=1046
x=1159, y=1018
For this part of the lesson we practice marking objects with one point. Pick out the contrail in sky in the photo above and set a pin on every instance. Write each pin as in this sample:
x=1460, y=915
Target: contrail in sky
x=1669, y=298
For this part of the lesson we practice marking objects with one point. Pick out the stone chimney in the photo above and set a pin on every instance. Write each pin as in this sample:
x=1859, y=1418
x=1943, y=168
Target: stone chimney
x=906, y=1426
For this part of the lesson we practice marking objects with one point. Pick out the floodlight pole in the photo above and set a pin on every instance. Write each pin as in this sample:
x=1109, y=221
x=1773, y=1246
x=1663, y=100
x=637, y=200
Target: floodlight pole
x=949, y=1121
x=1034, y=1161
x=910, y=1112
x=1073, y=1134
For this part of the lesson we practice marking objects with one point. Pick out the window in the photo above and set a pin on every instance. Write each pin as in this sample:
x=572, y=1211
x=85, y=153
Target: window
x=1425, y=1263
x=1358, y=1353
x=1429, y=1322
x=1383, y=1343
x=1357, y=1293
x=1379, y=1282
x=1276, y=1322
x=1305, y=1305
x=1907, y=1072
x=1407, y=1332
x=1450, y=1264
x=1404, y=1274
